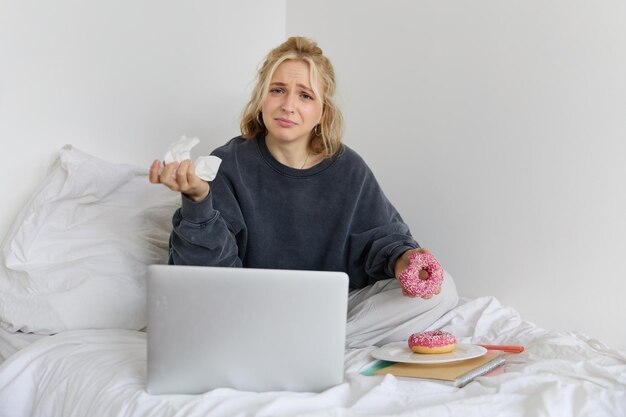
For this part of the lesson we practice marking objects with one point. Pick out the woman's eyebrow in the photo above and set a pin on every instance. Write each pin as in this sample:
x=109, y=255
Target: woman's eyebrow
x=282, y=84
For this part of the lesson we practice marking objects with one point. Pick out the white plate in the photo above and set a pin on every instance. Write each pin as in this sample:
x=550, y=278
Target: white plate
x=400, y=352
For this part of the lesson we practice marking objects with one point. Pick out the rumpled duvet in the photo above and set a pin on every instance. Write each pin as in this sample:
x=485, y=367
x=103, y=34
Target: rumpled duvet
x=85, y=373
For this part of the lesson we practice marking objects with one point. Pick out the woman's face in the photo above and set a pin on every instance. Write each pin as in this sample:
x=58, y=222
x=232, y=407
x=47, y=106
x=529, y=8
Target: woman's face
x=291, y=109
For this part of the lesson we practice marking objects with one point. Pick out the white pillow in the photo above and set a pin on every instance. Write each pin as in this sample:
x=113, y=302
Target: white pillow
x=76, y=256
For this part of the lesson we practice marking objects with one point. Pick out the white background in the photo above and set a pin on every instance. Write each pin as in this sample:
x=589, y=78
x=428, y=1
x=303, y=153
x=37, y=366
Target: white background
x=121, y=79
x=497, y=128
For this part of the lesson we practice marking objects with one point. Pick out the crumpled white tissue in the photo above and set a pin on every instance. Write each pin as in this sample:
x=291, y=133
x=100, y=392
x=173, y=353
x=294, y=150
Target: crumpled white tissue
x=206, y=166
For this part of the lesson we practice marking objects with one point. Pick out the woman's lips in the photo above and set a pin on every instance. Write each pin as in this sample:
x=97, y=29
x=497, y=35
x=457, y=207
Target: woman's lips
x=285, y=122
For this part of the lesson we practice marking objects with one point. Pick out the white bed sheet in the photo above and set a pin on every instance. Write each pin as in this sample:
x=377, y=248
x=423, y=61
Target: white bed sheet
x=11, y=342
x=103, y=373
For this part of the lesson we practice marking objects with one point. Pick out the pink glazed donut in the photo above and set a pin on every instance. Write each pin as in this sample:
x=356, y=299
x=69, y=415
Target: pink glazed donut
x=411, y=283
x=434, y=341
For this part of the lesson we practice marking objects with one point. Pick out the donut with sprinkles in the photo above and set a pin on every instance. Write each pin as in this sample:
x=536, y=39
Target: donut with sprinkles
x=413, y=285
x=434, y=341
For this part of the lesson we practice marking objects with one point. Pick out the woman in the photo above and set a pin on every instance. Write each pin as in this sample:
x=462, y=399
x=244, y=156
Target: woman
x=290, y=195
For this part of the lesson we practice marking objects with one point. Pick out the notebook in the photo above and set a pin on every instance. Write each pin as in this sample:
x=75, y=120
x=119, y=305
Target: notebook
x=242, y=328
x=456, y=374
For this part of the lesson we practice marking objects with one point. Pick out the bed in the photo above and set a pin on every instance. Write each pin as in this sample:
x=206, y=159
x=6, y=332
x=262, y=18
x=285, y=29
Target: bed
x=73, y=341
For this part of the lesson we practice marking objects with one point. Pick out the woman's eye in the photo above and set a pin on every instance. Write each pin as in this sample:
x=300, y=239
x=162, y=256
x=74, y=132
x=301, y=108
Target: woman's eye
x=306, y=96
x=276, y=90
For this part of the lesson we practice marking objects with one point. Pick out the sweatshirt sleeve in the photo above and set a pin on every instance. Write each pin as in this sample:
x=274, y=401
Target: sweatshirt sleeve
x=202, y=236
x=379, y=234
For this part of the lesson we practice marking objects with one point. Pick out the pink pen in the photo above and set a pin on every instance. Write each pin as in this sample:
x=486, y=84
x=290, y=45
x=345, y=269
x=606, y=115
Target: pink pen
x=504, y=348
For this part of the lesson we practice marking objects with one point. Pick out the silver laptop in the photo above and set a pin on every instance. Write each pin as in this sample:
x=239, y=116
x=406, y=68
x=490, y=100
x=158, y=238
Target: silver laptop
x=248, y=329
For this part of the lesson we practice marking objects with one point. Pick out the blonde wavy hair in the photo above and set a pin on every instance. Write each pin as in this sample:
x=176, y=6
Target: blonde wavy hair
x=325, y=137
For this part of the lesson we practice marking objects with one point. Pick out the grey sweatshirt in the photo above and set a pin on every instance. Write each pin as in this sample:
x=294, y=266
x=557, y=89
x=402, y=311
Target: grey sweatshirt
x=263, y=214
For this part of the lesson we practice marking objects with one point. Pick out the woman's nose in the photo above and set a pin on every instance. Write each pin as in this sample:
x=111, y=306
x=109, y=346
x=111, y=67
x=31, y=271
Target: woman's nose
x=289, y=103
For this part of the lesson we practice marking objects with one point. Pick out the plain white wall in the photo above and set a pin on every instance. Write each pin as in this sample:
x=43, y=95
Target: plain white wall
x=498, y=129
x=122, y=79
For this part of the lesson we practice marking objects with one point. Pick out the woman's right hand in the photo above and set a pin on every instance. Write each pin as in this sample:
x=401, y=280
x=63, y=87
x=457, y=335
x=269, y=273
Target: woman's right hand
x=180, y=177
